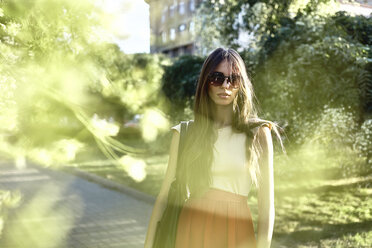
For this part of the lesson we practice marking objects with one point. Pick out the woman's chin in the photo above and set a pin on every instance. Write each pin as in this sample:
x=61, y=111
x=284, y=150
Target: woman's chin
x=223, y=102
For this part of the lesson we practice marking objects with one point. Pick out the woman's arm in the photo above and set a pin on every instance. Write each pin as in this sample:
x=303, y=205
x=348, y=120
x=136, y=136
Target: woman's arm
x=265, y=192
x=161, y=200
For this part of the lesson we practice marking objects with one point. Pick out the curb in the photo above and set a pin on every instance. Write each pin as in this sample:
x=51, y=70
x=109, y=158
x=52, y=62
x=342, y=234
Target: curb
x=112, y=185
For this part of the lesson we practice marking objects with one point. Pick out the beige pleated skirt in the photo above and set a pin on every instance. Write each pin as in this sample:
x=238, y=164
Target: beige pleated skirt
x=218, y=219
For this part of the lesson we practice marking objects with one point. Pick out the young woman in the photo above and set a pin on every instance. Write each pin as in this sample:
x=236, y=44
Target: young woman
x=227, y=150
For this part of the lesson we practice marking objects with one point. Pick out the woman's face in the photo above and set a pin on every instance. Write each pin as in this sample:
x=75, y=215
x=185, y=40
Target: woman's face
x=224, y=94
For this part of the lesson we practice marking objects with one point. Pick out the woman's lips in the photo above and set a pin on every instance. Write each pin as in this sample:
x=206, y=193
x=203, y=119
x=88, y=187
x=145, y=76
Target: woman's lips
x=223, y=95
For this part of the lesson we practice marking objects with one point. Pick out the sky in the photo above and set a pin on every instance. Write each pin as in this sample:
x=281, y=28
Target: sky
x=131, y=22
x=357, y=9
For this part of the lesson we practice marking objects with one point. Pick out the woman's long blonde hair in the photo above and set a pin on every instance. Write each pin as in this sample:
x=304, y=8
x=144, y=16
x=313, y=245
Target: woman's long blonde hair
x=197, y=156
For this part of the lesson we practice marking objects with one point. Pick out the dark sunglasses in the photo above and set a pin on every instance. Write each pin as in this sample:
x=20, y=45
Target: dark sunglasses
x=217, y=78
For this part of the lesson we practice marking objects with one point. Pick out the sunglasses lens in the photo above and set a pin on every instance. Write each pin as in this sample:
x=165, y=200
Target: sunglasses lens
x=218, y=78
x=235, y=80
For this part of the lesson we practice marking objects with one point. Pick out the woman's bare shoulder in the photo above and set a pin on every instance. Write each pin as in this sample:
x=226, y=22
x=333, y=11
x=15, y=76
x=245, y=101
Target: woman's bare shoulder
x=256, y=124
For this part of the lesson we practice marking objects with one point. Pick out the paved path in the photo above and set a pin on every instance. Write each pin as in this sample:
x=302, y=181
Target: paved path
x=63, y=210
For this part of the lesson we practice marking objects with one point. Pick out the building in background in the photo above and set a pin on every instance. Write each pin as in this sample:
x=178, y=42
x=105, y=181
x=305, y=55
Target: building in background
x=172, y=27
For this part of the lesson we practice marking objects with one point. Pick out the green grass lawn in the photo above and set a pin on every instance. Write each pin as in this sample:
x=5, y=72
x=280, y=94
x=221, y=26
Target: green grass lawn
x=329, y=213
x=315, y=206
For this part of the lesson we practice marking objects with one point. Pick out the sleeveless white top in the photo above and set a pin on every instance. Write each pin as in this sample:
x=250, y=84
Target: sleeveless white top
x=228, y=167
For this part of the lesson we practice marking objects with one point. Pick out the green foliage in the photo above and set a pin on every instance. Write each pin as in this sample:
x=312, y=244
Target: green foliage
x=363, y=142
x=214, y=21
x=129, y=83
x=310, y=70
x=44, y=70
x=65, y=86
x=326, y=52
x=179, y=83
x=223, y=22
x=357, y=27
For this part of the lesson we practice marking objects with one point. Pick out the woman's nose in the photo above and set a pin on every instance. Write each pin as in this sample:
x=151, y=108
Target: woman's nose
x=226, y=83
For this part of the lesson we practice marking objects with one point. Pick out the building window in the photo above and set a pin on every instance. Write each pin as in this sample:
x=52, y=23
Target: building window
x=172, y=9
x=164, y=36
x=182, y=27
x=192, y=5
x=192, y=27
x=181, y=8
x=172, y=34
x=164, y=15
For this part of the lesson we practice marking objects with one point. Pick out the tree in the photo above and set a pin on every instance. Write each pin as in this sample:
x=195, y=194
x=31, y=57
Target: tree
x=65, y=85
x=179, y=83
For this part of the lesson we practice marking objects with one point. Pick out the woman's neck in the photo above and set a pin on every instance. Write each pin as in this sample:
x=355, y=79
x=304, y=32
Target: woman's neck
x=223, y=115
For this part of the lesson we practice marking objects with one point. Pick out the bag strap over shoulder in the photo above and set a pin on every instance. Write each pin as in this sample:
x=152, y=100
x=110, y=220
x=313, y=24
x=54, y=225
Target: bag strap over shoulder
x=183, y=130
